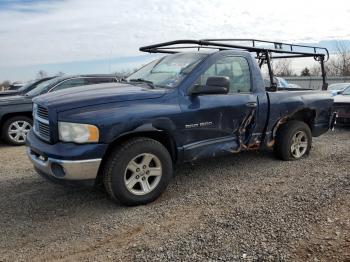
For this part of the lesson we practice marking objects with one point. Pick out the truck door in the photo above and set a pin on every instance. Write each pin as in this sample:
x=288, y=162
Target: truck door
x=220, y=123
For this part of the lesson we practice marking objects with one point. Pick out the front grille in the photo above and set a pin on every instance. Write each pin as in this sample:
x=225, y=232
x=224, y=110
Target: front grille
x=41, y=122
x=42, y=112
x=44, y=130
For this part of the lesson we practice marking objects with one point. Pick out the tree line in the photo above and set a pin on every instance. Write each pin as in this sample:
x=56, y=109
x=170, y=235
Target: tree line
x=338, y=64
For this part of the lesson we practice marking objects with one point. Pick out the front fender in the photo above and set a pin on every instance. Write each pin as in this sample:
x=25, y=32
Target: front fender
x=118, y=119
x=160, y=124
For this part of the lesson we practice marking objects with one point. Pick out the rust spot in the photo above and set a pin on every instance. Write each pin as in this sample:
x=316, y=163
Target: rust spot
x=271, y=141
x=242, y=134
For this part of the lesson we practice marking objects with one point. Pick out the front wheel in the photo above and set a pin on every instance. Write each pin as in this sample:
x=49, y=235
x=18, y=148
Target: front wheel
x=138, y=171
x=15, y=130
x=293, y=140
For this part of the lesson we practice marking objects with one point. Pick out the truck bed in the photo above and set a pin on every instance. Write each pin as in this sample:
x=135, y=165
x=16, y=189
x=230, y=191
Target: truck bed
x=312, y=104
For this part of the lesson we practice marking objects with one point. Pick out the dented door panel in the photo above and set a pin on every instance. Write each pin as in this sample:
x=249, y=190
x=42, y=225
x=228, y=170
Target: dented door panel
x=217, y=124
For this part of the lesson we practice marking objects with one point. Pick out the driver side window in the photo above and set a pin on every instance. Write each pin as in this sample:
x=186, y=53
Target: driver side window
x=235, y=68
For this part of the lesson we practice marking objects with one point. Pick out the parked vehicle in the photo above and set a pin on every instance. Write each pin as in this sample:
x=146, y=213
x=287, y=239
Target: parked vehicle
x=342, y=106
x=15, y=86
x=281, y=83
x=180, y=108
x=294, y=86
x=25, y=88
x=16, y=111
x=337, y=88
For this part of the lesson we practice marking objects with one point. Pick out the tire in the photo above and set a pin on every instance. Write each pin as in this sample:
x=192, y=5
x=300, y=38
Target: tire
x=127, y=164
x=293, y=141
x=15, y=130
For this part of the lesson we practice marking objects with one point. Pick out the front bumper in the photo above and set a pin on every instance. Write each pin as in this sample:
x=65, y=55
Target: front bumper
x=65, y=161
x=65, y=169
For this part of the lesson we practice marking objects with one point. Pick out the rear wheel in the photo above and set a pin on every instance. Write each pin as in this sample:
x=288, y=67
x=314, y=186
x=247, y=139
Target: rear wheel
x=138, y=171
x=15, y=130
x=293, y=140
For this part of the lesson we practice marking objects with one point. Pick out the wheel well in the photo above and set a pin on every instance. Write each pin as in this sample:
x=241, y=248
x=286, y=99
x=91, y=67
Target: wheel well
x=162, y=137
x=305, y=115
x=9, y=115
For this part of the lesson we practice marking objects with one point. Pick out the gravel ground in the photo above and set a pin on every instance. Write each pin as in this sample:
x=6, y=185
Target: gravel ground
x=241, y=207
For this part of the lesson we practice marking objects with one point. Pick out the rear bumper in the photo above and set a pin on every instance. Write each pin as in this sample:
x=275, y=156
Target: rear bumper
x=343, y=110
x=321, y=128
x=65, y=169
x=343, y=120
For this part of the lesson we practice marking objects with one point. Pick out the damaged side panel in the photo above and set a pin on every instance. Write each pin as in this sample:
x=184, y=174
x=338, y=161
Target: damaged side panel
x=250, y=134
x=210, y=148
x=303, y=106
x=242, y=138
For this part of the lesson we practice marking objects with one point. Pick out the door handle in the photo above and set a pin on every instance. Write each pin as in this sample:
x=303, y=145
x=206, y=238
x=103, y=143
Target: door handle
x=251, y=104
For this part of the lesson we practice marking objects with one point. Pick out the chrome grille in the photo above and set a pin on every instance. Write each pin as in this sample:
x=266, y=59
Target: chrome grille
x=41, y=122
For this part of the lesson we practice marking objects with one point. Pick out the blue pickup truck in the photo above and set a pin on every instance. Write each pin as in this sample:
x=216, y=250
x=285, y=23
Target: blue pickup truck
x=180, y=108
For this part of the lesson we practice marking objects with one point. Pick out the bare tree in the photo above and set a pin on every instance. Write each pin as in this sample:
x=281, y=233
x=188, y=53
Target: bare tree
x=315, y=70
x=5, y=85
x=331, y=70
x=41, y=74
x=339, y=65
x=283, y=67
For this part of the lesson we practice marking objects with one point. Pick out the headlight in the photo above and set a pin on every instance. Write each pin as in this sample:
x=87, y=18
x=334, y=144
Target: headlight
x=77, y=133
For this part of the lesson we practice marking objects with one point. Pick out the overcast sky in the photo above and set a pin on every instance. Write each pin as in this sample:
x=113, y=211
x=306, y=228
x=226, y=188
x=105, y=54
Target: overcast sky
x=100, y=36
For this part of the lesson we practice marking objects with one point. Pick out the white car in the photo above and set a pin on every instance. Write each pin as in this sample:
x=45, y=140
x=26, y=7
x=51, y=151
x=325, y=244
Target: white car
x=281, y=82
x=294, y=86
x=342, y=105
x=337, y=88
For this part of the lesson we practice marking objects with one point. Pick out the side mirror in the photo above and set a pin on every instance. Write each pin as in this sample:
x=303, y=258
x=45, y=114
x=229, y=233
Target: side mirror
x=214, y=85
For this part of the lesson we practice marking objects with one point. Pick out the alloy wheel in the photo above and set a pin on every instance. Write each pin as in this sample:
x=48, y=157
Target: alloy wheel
x=299, y=144
x=143, y=174
x=18, y=131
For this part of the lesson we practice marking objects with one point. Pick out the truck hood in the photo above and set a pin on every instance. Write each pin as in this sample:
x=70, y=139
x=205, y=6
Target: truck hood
x=97, y=94
x=15, y=100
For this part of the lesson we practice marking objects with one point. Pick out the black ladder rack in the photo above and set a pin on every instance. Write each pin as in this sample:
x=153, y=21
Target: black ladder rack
x=265, y=50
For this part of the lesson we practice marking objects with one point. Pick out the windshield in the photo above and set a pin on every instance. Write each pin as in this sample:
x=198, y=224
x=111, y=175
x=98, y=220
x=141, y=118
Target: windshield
x=167, y=71
x=346, y=91
x=338, y=86
x=24, y=87
x=41, y=87
x=31, y=85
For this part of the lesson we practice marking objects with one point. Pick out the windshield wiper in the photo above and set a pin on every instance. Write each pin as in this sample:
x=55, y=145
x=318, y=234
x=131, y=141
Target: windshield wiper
x=141, y=80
